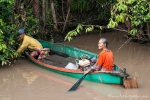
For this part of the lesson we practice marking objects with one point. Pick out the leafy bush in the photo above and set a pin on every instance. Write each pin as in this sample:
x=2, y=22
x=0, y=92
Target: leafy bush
x=136, y=12
x=7, y=34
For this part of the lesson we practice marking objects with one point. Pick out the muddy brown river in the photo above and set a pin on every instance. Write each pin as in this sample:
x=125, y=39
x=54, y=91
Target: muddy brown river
x=26, y=81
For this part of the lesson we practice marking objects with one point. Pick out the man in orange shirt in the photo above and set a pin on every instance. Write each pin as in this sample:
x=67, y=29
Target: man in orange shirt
x=105, y=60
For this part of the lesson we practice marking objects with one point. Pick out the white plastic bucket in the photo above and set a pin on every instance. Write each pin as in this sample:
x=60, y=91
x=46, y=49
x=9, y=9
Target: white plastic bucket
x=71, y=66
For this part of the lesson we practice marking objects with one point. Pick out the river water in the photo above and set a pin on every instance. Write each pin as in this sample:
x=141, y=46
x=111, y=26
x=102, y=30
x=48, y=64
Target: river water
x=26, y=81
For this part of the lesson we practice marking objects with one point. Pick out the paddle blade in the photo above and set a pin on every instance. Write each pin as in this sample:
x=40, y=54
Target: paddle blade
x=130, y=83
x=76, y=85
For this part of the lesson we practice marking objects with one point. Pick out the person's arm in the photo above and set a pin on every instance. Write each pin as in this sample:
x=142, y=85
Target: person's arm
x=23, y=46
x=93, y=68
x=87, y=71
x=97, y=65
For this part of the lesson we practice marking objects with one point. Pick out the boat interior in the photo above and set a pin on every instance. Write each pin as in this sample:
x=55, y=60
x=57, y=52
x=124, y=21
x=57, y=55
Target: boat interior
x=57, y=60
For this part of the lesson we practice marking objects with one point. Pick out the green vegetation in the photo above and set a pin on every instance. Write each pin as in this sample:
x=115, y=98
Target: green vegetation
x=7, y=33
x=9, y=25
x=133, y=13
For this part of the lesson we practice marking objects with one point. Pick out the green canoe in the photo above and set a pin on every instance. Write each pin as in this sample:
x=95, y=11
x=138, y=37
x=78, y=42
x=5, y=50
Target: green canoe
x=106, y=77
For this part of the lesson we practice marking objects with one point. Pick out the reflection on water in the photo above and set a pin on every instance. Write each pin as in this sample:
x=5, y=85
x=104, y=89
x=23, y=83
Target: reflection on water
x=29, y=76
x=26, y=81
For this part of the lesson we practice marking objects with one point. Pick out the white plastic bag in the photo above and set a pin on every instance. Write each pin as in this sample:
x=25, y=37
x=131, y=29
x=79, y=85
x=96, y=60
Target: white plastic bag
x=71, y=66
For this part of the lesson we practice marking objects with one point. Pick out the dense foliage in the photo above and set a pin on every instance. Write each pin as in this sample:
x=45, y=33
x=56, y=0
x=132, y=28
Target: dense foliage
x=133, y=13
x=7, y=33
x=53, y=19
x=10, y=22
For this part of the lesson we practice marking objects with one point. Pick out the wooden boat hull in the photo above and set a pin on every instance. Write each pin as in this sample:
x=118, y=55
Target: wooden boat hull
x=101, y=77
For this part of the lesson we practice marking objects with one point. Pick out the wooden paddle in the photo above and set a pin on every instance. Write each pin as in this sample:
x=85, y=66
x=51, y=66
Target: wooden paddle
x=76, y=85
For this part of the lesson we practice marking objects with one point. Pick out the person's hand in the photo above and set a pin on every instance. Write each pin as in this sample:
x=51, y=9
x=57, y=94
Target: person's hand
x=87, y=71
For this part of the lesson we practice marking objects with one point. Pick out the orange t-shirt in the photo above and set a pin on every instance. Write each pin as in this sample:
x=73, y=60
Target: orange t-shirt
x=106, y=60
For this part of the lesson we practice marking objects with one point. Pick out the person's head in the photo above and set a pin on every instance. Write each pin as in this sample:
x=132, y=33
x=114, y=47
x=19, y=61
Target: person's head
x=102, y=43
x=21, y=33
